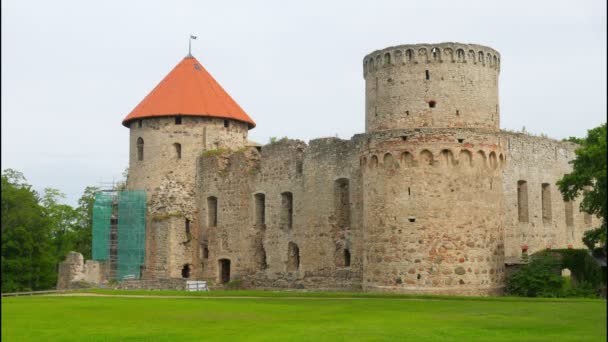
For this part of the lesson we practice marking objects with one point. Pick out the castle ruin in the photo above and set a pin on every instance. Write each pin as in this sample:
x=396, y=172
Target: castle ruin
x=433, y=198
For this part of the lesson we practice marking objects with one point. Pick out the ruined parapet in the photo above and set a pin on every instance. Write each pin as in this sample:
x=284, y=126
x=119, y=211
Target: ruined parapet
x=433, y=203
x=74, y=273
x=432, y=85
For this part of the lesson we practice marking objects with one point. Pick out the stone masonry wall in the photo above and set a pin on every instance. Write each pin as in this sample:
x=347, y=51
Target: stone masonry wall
x=537, y=161
x=260, y=251
x=74, y=272
x=433, y=212
x=460, y=81
x=167, y=173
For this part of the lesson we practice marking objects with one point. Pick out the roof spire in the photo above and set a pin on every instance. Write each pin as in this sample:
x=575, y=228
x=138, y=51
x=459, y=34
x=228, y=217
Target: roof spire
x=190, y=45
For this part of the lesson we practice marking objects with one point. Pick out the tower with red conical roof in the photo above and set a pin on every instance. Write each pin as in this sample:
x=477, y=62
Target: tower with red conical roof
x=186, y=114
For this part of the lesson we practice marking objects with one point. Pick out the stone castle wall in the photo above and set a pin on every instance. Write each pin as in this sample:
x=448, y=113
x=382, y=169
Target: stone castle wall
x=540, y=162
x=302, y=240
x=460, y=81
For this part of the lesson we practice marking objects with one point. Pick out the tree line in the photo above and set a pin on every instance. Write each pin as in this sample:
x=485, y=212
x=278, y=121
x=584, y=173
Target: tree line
x=38, y=231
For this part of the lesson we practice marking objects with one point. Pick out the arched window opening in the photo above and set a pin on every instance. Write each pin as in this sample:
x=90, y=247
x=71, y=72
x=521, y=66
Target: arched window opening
x=436, y=53
x=178, y=150
x=374, y=162
x=186, y=271
x=465, y=158
x=346, y=258
x=260, y=210
x=447, y=158
x=389, y=161
x=423, y=55
x=178, y=120
x=522, y=200
x=287, y=210
x=460, y=55
x=481, y=160
x=546, y=202
x=224, y=270
x=226, y=123
x=495, y=61
x=481, y=57
x=140, y=149
x=426, y=158
x=569, y=209
x=342, y=202
x=493, y=160
x=293, y=257
x=212, y=211
x=432, y=104
x=407, y=159
x=387, y=58
x=427, y=74
x=409, y=55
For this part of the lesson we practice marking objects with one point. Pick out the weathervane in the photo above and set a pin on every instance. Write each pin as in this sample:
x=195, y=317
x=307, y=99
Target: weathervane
x=190, y=45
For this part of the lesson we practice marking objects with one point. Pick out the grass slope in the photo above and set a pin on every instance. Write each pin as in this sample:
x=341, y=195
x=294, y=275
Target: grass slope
x=327, y=319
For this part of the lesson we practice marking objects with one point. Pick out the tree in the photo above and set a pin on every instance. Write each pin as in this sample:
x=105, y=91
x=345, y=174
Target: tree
x=588, y=177
x=27, y=259
x=83, y=235
x=63, y=220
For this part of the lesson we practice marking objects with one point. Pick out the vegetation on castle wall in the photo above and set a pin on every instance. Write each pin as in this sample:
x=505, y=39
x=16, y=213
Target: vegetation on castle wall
x=588, y=178
x=216, y=152
x=541, y=277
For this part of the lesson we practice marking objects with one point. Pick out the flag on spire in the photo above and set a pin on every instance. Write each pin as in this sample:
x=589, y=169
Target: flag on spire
x=192, y=37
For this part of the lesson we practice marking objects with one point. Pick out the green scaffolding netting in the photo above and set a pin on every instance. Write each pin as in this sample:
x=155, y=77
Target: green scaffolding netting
x=131, y=233
x=102, y=214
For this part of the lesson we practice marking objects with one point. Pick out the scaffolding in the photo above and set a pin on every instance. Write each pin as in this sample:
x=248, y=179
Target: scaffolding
x=131, y=233
x=102, y=213
x=119, y=232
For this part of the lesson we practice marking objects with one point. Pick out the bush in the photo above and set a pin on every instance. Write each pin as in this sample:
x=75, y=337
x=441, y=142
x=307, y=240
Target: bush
x=539, y=278
x=542, y=276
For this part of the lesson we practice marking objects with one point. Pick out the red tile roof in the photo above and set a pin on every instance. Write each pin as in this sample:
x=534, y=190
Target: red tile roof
x=189, y=90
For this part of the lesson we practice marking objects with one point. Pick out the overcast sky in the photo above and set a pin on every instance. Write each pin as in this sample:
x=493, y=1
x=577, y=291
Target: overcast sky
x=72, y=70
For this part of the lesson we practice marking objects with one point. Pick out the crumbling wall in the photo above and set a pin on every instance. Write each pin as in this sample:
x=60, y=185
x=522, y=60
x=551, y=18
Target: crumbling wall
x=259, y=247
x=75, y=273
x=539, y=162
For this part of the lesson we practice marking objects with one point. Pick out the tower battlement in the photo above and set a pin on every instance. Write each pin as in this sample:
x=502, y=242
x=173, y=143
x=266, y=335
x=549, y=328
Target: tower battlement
x=431, y=53
x=432, y=85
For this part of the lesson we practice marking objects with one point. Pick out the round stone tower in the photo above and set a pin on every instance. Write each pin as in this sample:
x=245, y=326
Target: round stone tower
x=431, y=85
x=187, y=113
x=431, y=169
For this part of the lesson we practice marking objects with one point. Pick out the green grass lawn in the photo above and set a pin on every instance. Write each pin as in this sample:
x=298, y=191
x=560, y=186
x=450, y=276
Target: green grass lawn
x=335, y=317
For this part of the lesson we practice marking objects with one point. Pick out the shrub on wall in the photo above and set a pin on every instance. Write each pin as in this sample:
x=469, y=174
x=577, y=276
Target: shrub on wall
x=541, y=277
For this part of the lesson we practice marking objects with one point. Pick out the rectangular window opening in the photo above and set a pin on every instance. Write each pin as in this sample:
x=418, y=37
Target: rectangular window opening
x=522, y=201
x=546, y=203
x=212, y=211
